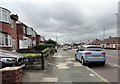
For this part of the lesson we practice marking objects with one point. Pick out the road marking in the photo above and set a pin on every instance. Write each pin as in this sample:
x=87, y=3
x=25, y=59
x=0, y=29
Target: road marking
x=45, y=79
x=77, y=64
x=69, y=62
x=57, y=56
x=71, y=59
x=100, y=77
x=63, y=67
x=113, y=65
x=91, y=75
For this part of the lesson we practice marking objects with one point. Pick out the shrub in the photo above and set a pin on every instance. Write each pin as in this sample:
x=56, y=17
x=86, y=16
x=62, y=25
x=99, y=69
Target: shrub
x=31, y=55
x=43, y=46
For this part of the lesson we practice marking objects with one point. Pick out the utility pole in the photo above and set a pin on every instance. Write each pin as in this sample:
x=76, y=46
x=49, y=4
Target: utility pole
x=117, y=30
x=56, y=39
x=103, y=37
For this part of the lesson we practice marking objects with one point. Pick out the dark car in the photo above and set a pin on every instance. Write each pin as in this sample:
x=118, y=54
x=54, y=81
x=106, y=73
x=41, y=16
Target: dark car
x=8, y=59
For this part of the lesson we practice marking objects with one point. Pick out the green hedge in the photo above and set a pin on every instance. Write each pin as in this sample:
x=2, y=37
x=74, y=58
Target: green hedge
x=35, y=54
x=43, y=46
x=31, y=54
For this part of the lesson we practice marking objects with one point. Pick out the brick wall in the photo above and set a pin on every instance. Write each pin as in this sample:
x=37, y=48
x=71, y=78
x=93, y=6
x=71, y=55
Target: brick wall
x=37, y=39
x=5, y=27
x=14, y=34
x=11, y=75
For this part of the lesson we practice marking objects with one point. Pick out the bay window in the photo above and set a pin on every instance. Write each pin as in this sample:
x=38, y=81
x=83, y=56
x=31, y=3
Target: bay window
x=4, y=15
x=5, y=40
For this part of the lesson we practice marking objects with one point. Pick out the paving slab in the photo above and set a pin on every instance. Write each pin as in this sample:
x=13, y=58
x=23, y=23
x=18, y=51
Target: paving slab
x=62, y=71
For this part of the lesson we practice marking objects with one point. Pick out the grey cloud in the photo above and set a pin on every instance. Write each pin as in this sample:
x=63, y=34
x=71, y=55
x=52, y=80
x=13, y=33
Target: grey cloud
x=72, y=21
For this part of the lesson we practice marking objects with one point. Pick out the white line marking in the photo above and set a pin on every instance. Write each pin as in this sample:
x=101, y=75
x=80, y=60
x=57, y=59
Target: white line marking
x=64, y=67
x=45, y=79
x=103, y=79
x=113, y=65
x=77, y=64
x=91, y=75
x=69, y=62
x=57, y=56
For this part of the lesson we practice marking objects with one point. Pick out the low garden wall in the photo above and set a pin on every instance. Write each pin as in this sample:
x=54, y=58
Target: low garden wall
x=37, y=59
x=11, y=75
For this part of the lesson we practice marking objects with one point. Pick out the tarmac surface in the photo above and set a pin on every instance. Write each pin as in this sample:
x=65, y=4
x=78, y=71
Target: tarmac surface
x=62, y=69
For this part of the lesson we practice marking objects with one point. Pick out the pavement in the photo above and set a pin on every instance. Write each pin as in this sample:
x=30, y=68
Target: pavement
x=63, y=69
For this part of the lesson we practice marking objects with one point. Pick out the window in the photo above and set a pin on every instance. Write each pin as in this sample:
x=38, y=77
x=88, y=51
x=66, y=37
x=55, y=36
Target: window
x=0, y=14
x=24, y=29
x=94, y=48
x=4, y=15
x=5, y=40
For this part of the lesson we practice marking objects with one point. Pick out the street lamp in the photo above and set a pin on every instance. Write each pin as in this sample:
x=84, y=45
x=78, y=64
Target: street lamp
x=103, y=37
x=56, y=40
x=117, y=29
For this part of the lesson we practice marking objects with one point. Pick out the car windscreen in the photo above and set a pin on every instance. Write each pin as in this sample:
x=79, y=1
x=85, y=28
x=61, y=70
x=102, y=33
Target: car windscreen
x=94, y=49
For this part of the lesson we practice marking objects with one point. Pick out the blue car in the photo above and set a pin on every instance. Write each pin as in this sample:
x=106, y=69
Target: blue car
x=90, y=54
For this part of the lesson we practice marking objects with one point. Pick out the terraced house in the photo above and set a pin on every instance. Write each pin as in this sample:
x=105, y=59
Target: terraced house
x=8, y=34
x=14, y=34
x=26, y=36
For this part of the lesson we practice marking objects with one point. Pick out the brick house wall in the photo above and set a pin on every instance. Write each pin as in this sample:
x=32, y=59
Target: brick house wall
x=14, y=18
x=37, y=39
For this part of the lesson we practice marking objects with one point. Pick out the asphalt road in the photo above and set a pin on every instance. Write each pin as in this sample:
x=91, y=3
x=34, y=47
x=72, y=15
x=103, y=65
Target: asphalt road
x=110, y=70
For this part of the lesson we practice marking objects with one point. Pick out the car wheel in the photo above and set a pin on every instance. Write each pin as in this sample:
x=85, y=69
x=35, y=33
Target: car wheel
x=82, y=61
x=76, y=58
x=103, y=63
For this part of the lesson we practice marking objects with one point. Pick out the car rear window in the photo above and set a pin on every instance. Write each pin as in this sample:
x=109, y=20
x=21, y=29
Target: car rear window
x=94, y=48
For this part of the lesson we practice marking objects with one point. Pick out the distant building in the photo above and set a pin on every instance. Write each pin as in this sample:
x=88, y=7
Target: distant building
x=88, y=42
x=111, y=42
x=26, y=36
x=97, y=42
x=8, y=34
x=42, y=39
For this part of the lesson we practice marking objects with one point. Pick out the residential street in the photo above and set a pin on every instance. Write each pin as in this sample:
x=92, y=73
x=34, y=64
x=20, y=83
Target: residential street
x=110, y=70
x=64, y=69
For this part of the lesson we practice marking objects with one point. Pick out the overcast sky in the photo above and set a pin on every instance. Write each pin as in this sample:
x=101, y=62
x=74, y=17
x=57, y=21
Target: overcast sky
x=74, y=20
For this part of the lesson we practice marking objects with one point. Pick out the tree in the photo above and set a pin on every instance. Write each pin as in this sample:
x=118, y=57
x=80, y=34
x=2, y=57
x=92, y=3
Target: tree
x=50, y=41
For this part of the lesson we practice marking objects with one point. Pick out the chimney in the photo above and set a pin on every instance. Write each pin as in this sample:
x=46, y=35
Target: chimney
x=110, y=37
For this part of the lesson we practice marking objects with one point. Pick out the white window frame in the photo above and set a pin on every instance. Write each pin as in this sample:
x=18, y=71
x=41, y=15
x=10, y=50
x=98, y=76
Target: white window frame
x=5, y=42
x=5, y=15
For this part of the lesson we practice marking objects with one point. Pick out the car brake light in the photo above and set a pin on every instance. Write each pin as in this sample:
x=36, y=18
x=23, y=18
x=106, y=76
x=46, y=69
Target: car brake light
x=87, y=52
x=103, y=53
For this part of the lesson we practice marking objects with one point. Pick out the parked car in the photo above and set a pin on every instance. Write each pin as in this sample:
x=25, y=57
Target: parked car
x=90, y=53
x=69, y=48
x=64, y=48
x=8, y=59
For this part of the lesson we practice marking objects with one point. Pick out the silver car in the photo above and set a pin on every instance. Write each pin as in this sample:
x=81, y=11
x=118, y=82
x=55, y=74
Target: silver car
x=8, y=58
x=90, y=54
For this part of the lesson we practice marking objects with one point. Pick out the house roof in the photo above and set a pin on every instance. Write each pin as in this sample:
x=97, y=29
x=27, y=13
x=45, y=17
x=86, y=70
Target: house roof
x=96, y=42
x=88, y=43
x=112, y=40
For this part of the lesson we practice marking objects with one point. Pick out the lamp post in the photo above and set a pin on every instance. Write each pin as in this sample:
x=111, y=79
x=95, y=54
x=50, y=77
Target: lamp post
x=117, y=21
x=103, y=37
x=56, y=40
